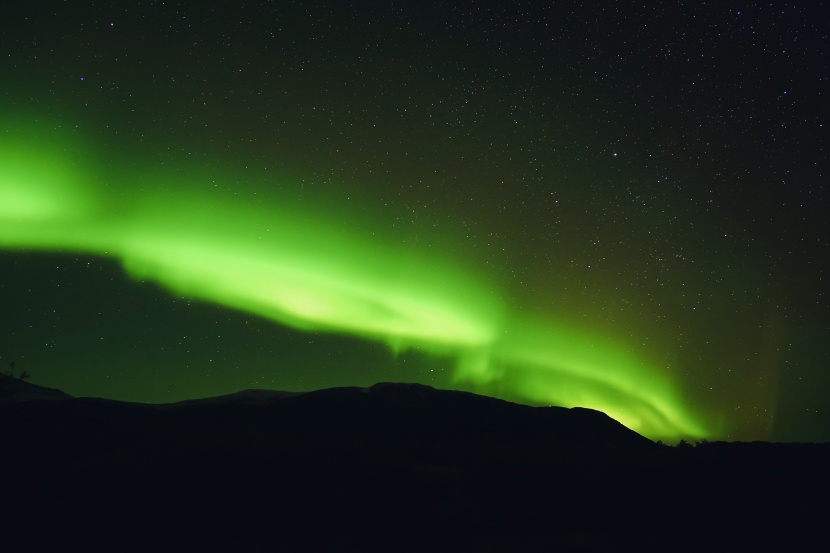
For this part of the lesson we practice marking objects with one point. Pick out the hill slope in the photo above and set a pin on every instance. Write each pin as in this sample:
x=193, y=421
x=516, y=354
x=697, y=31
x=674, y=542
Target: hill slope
x=400, y=466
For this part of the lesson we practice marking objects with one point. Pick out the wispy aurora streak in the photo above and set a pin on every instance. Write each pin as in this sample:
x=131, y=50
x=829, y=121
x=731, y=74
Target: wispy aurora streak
x=303, y=266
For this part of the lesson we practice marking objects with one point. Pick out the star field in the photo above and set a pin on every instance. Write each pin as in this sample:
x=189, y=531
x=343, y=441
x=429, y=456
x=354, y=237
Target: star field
x=648, y=180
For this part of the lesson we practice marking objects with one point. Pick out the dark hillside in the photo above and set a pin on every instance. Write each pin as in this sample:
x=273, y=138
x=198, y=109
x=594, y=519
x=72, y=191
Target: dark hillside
x=395, y=465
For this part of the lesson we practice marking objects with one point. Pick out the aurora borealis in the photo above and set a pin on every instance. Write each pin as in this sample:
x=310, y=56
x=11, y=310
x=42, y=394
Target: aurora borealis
x=511, y=200
x=287, y=263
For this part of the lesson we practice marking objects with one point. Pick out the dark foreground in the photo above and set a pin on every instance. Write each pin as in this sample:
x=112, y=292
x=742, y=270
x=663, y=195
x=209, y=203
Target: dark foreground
x=394, y=467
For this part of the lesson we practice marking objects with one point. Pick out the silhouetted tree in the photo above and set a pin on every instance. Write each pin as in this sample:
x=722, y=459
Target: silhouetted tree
x=9, y=376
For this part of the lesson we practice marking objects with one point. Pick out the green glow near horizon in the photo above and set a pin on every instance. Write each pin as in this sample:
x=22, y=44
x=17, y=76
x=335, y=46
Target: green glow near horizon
x=301, y=265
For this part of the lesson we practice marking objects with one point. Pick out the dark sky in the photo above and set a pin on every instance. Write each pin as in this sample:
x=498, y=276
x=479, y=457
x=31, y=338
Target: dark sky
x=602, y=204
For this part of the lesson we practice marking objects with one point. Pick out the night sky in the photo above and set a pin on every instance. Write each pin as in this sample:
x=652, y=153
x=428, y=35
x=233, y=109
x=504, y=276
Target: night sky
x=615, y=205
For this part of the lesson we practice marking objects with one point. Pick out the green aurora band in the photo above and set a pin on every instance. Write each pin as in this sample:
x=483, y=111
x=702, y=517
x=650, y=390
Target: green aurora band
x=309, y=268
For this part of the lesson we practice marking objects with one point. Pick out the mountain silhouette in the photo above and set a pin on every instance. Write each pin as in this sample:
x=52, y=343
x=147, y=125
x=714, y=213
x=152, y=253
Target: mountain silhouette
x=14, y=390
x=401, y=467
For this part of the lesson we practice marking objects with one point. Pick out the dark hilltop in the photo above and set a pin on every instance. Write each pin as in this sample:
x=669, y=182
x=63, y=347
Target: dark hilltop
x=396, y=467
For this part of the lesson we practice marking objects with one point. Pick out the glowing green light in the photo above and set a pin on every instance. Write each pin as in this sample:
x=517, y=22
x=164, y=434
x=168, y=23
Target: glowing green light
x=51, y=190
x=302, y=265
